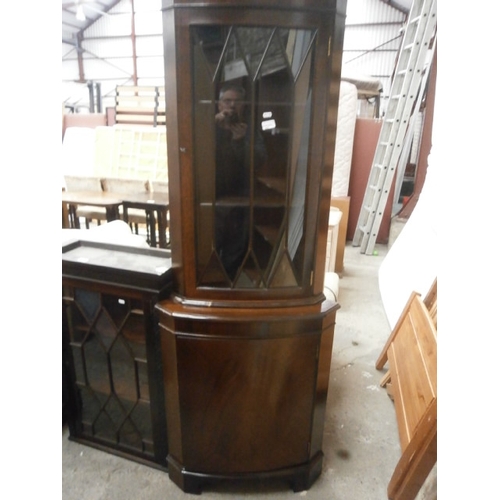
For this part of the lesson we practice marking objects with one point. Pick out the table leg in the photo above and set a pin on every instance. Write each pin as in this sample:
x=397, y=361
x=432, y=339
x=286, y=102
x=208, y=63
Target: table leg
x=112, y=213
x=66, y=223
x=74, y=221
x=151, y=222
x=162, y=228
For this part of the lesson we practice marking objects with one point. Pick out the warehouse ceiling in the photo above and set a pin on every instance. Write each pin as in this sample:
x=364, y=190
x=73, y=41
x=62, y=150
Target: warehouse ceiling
x=78, y=15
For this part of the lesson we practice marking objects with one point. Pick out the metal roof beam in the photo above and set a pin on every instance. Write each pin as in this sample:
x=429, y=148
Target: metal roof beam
x=398, y=6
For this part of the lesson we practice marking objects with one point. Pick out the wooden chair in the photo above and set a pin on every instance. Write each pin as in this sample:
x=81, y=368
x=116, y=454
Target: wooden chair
x=85, y=183
x=129, y=186
x=161, y=187
x=411, y=380
x=138, y=152
x=140, y=105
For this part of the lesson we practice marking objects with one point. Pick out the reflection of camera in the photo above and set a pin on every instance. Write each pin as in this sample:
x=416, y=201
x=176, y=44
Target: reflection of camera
x=231, y=119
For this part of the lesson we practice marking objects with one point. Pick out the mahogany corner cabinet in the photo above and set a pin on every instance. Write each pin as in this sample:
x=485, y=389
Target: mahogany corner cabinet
x=247, y=333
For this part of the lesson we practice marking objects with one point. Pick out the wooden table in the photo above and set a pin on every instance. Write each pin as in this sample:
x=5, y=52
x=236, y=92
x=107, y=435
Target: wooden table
x=71, y=199
x=156, y=206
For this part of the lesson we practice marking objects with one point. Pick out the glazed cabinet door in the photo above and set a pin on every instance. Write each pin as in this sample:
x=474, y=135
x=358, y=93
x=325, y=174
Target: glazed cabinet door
x=252, y=108
x=247, y=155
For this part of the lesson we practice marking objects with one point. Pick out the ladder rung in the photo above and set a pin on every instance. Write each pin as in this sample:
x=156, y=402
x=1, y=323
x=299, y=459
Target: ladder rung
x=405, y=88
x=364, y=228
x=408, y=47
x=415, y=20
x=367, y=208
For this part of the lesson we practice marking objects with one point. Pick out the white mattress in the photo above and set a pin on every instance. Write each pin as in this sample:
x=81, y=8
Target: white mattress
x=411, y=263
x=366, y=86
x=346, y=122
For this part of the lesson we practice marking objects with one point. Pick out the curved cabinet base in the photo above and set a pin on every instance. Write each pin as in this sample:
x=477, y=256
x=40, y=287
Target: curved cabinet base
x=299, y=478
x=245, y=391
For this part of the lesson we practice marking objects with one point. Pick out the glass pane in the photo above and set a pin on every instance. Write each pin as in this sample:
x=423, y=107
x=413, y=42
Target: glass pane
x=88, y=302
x=123, y=370
x=96, y=365
x=300, y=151
x=251, y=108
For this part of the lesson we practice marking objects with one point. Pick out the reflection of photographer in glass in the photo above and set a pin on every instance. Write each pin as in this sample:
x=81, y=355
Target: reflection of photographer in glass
x=233, y=176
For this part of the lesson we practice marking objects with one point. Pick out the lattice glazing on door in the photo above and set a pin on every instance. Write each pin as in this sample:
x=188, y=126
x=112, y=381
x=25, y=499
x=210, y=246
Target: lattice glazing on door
x=109, y=354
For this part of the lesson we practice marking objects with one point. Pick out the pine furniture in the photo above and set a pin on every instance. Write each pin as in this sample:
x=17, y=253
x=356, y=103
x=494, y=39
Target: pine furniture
x=411, y=352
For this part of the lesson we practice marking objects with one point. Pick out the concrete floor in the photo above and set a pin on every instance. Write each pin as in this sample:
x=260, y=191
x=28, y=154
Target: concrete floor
x=360, y=443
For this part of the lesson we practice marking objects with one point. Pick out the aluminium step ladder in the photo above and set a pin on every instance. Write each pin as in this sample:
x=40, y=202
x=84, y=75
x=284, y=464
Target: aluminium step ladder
x=413, y=58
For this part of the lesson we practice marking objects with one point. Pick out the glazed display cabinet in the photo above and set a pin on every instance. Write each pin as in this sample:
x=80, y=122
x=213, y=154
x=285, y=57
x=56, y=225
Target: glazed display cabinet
x=111, y=348
x=247, y=334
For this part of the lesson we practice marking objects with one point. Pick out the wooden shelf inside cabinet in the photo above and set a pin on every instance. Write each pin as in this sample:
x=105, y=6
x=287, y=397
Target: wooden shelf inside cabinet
x=231, y=201
x=259, y=200
x=276, y=183
x=269, y=233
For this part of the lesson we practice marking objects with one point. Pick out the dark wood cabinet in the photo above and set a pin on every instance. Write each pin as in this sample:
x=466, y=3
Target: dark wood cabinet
x=112, y=374
x=246, y=336
x=245, y=392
